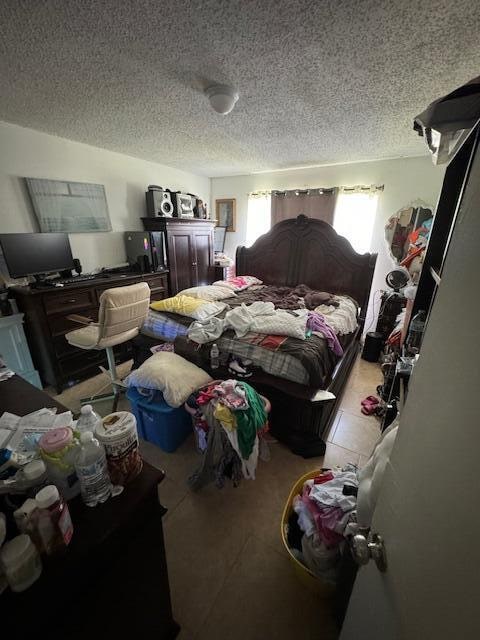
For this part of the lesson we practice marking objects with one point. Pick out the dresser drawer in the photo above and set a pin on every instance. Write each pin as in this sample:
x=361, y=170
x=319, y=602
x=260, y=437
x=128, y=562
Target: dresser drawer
x=158, y=286
x=60, y=325
x=80, y=361
x=155, y=282
x=69, y=301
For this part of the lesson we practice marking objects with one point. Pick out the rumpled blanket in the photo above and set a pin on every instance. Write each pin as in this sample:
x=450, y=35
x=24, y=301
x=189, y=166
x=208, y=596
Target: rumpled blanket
x=259, y=317
x=285, y=297
x=343, y=317
x=262, y=317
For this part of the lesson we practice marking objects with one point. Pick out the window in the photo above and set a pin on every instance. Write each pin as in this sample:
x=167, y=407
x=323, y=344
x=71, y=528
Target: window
x=258, y=216
x=354, y=219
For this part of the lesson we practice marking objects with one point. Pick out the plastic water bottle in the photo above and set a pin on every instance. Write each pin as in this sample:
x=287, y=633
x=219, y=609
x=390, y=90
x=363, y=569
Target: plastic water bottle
x=415, y=332
x=214, y=357
x=88, y=419
x=91, y=468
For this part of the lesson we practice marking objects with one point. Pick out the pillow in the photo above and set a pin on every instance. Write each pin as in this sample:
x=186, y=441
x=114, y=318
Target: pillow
x=239, y=283
x=171, y=374
x=187, y=306
x=209, y=292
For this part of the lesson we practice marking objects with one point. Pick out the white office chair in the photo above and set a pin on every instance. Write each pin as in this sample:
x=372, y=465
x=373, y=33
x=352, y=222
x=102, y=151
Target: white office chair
x=121, y=314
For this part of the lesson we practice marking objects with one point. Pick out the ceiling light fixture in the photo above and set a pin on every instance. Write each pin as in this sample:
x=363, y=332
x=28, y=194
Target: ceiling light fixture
x=222, y=98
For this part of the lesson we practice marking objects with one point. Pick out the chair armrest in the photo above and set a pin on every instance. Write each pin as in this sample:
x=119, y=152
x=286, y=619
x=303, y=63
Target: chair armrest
x=74, y=317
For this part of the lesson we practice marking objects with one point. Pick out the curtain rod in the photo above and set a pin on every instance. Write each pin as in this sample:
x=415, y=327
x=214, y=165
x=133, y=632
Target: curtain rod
x=320, y=190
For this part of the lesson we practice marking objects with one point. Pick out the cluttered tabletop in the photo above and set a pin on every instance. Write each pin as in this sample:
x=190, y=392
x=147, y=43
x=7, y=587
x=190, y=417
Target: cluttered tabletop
x=46, y=534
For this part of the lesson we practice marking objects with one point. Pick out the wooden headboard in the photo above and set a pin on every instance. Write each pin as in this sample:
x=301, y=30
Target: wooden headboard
x=307, y=251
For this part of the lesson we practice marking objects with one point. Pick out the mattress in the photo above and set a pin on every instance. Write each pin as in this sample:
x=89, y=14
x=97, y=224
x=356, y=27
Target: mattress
x=307, y=362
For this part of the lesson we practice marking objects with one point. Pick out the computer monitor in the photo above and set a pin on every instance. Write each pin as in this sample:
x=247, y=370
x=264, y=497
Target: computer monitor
x=219, y=239
x=35, y=254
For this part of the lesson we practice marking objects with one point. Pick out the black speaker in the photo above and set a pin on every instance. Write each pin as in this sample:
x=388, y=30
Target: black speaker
x=159, y=203
x=77, y=265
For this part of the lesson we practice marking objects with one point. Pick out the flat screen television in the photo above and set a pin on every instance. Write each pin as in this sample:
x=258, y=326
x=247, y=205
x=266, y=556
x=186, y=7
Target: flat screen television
x=35, y=254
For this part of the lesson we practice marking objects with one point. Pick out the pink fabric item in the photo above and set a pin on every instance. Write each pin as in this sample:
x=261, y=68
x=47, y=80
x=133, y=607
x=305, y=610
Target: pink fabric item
x=326, y=519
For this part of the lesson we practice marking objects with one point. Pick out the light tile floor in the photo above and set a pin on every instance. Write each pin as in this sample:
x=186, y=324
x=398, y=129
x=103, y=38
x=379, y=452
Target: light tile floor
x=230, y=576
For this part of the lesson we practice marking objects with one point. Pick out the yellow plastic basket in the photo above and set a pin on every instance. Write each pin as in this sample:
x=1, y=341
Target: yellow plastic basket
x=306, y=577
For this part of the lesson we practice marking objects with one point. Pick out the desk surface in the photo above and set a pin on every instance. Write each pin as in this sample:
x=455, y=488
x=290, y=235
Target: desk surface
x=103, y=279
x=20, y=397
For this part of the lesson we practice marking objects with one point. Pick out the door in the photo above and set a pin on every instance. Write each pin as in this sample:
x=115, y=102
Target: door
x=427, y=510
x=202, y=263
x=180, y=251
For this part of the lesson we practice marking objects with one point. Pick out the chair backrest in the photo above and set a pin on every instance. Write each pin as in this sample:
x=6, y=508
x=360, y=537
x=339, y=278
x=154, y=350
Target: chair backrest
x=123, y=309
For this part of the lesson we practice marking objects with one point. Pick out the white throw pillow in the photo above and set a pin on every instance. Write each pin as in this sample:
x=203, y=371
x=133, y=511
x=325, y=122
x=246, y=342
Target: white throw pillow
x=171, y=374
x=209, y=292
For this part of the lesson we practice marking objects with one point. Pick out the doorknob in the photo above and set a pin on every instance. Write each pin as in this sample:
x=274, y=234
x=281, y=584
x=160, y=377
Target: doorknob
x=366, y=547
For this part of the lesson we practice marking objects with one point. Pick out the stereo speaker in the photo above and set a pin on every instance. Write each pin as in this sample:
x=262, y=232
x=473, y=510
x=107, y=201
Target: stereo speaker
x=159, y=203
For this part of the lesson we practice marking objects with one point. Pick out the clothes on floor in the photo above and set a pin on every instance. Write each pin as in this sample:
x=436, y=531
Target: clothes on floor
x=236, y=409
x=226, y=417
x=220, y=460
x=250, y=421
x=249, y=463
x=232, y=394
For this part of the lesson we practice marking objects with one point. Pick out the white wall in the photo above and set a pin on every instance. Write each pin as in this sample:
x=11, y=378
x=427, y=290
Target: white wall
x=28, y=153
x=405, y=180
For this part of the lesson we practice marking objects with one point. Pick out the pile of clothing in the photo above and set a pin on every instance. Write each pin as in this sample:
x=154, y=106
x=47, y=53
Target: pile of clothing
x=229, y=420
x=322, y=516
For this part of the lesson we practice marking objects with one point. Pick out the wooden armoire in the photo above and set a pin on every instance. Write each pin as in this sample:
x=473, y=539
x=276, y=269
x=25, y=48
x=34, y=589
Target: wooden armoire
x=189, y=250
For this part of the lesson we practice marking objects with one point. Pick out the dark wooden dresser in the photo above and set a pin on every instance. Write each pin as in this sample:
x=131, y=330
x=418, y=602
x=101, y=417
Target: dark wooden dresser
x=46, y=324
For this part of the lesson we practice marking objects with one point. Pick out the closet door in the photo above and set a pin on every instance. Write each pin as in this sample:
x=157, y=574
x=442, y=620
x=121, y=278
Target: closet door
x=202, y=254
x=180, y=253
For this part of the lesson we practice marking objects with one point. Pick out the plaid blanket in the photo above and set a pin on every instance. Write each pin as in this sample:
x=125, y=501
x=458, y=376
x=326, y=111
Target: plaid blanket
x=161, y=326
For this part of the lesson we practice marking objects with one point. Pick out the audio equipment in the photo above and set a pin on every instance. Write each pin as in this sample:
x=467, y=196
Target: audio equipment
x=77, y=265
x=159, y=202
x=199, y=209
x=183, y=205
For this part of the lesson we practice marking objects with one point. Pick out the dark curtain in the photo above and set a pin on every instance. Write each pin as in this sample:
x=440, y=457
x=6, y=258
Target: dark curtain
x=314, y=203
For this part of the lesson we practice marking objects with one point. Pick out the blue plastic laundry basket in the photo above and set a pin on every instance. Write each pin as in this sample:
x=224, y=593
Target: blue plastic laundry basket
x=158, y=422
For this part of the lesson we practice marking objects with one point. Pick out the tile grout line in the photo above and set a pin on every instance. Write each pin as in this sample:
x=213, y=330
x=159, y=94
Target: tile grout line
x=228, y=573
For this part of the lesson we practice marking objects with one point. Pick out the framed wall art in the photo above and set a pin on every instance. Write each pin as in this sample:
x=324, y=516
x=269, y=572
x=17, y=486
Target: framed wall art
x=225, y=210
x=69, y=207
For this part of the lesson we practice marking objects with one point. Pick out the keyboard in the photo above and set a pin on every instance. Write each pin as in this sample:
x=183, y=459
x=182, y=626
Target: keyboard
x=76, y=279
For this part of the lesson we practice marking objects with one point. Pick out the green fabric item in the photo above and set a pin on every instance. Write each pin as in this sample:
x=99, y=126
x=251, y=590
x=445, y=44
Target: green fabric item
x=249, y=421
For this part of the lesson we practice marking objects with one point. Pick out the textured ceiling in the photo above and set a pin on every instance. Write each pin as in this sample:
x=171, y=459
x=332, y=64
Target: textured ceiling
x=319, y=81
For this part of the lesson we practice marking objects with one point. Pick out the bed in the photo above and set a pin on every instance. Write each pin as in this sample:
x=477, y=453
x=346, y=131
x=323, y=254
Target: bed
x=304, y=380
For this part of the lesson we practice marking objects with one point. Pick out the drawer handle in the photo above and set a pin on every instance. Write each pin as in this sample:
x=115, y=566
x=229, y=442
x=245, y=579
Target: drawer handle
x=72, y=300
